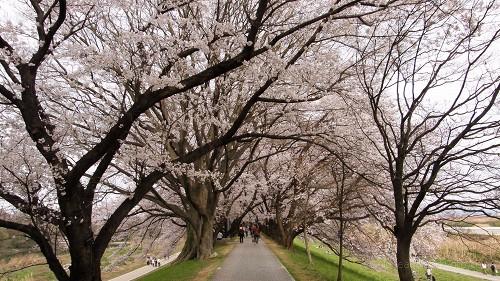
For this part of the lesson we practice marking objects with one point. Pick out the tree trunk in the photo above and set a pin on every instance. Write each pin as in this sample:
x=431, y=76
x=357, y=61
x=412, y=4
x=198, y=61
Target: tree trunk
x=341, y=251
x=403, y=258
x=199, y=241
x=306, y=243
x=200, y=225
x=282, y=234
x=85, y=265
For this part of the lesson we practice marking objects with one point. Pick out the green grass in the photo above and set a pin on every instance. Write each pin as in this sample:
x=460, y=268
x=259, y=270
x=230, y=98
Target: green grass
x=495, y=223
x=325, y=267
x=193, y=269
x=13, y=243
x=182, y=271
x=461, y=224
x=40, y=272
x=465, y=265
x=43, y=273
x=443, y=275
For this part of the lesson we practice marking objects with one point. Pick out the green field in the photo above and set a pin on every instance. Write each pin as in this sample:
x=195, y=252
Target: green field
x=199, y=270
x=465, y=265
x=325, y=267
x=16, y=251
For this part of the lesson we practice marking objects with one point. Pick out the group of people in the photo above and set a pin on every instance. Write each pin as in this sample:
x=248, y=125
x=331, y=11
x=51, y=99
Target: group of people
x=254, y=232
x=493, y=268
x=153, y=261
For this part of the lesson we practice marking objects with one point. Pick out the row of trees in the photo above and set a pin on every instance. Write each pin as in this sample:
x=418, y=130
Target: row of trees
x=309, y=117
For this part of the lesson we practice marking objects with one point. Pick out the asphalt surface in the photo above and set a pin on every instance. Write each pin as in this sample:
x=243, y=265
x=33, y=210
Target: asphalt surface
x=251, y=262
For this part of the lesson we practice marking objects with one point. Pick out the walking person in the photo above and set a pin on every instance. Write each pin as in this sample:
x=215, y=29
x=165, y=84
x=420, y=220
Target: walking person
x=493, y=269
x=256, y=234
x=428, y=273
x=252, y=232
x=483, y=267
x=241, y=234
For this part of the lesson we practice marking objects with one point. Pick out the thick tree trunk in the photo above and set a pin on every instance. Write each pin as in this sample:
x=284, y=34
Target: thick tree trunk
x=200, y=225
x=286, y=234
x=85, y=264
x=84, y=267
x=403, y=258
x=280, y=233
x=199, y=241
x=206, y=244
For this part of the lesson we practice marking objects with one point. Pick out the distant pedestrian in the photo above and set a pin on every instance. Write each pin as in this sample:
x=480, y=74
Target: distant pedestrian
x=256, y=234
x=241, y=234
x=428, y=274
x=483, y=267
x=493, y=269
x=148, y=260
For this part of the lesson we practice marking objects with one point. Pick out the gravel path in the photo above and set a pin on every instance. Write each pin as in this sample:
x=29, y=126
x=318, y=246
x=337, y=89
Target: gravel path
x=252, y=262
x=466, y=272
x=143, y=270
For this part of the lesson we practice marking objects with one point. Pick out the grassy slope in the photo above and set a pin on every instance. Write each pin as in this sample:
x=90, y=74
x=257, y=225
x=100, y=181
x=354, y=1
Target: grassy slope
x=325, y=267
x=466, y=265
x=43, y=273
x=193, y=269
x=40, y=272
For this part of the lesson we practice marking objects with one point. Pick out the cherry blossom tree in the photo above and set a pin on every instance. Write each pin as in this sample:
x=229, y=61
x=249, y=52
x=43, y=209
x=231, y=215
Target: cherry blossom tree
x=291, y=202
x=78, y=79
x=344, y=211
x=432, y=88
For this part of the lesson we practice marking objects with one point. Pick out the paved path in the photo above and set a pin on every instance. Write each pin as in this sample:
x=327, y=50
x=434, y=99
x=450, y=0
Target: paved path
x=466, y=272
x=143, y=270
x=252, y=262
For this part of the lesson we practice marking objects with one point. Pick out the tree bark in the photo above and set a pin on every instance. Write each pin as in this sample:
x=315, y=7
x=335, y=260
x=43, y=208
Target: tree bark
x=85, y=263
x=341, y=250
x=403, y=257
x=200, y=222
x=199, y=241
x=306, y=243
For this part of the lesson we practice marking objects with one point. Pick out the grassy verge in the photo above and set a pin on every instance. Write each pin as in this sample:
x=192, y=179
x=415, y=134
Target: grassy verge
x=325, y=267
x=196, y=270
x=43, y=273
x=465, y=265
x=39, y=272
